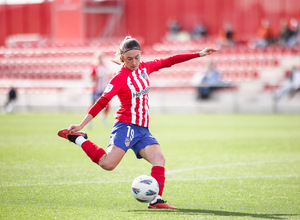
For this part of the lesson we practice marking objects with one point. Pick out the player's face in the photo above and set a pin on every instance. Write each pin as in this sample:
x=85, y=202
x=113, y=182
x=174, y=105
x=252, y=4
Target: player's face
x=132, y=59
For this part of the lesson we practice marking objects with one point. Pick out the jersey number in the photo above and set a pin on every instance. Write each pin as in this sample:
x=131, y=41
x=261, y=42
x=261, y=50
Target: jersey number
x=130, y=133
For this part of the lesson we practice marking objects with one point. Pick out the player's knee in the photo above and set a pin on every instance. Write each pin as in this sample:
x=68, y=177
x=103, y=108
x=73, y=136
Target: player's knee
x=107, y=166
x=159, y=160
x=162, y=159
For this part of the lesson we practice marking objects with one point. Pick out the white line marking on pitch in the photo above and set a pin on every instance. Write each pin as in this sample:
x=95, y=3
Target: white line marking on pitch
x=174, y=171
x=129, y=181
x=226, y=165
x=237, y=177
x=67, y=183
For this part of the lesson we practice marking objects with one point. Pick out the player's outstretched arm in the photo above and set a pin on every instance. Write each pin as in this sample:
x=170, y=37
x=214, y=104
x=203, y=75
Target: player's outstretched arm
x=80, y=126
x=179, y=58
x=207, y=51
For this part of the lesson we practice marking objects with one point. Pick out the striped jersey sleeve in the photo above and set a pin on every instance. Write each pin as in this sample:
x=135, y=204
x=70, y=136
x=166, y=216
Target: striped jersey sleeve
x=132, y=88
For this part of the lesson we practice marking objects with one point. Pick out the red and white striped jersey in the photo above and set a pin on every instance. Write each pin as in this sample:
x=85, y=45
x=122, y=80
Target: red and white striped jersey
x=132, y=88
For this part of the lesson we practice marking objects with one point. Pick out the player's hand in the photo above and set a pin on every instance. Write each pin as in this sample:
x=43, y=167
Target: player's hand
x=207, y=51
x=74, y=128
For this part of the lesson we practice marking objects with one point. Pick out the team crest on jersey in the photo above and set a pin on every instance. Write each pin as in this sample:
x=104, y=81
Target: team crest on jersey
x=144, y=75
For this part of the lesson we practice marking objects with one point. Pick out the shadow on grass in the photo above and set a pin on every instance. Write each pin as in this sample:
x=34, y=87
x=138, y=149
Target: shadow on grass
x=218, y=213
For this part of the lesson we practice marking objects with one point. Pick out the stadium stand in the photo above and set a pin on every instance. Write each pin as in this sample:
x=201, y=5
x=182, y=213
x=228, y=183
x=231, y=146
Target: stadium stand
x=59, y=67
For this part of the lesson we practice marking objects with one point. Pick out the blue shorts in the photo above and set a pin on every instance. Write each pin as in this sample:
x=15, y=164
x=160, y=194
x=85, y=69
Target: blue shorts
x=130, y=136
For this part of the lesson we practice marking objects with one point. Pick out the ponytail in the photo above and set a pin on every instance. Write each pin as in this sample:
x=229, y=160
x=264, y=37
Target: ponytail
x=126, y=45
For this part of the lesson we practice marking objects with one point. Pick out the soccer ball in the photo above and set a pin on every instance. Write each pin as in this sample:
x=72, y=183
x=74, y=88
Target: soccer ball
x=144, y=188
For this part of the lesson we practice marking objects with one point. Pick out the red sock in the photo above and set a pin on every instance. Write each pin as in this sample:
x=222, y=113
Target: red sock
x=93, y=151
x=159, y=174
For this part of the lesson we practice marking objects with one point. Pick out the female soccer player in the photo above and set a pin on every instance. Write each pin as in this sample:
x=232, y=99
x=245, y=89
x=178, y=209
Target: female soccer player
x=130, y=131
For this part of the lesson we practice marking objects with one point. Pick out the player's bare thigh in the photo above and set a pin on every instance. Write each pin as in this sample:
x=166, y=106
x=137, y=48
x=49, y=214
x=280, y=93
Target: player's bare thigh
x=153, y=154
x=112, y=158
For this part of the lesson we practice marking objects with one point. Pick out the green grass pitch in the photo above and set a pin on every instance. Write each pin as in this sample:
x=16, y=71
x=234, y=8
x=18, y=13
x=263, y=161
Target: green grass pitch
x=217, y=167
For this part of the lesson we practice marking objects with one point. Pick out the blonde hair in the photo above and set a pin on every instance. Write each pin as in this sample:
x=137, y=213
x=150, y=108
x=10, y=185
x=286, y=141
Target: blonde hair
x=127, y=44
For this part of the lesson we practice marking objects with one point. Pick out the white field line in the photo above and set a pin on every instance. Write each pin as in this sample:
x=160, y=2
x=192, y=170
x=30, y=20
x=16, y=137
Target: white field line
x=236, y=177
x=67, y=183
x=174, y=171
x=168, y=180
x=227, y=165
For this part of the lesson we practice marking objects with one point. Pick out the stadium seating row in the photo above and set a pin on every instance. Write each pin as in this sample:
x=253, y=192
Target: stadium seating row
x=53, y=51
x=70, y=63
x=39, y=75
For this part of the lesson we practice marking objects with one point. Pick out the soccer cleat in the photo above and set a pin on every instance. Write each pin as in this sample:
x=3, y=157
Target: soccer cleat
x=160, y=204
x=71, y=136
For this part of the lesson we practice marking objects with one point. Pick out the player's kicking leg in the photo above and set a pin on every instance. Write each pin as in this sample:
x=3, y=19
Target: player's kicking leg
x=64, y=133
x=93, y=151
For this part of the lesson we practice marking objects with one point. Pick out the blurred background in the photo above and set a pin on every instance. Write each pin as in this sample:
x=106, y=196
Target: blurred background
x=47, y=50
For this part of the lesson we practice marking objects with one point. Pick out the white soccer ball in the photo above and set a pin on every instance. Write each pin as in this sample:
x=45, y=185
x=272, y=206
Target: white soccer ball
x=144, y=188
